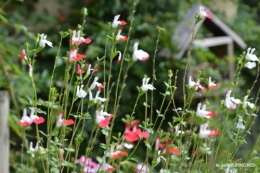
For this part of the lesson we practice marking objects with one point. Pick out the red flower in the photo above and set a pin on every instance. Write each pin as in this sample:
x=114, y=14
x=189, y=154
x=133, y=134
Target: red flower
x=23, y=55
x=104, y=123
x=68, y=122
x=135, y=134
x=38, y=120
x=80, y=71
x=174, y=151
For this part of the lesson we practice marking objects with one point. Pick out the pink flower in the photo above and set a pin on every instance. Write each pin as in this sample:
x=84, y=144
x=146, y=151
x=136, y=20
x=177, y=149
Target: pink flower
x=203, y=133
x=88, y=164
x=212, y=85
x=139, y=54
x=77, y=39
x=116, y=22
x=135, y=134
x=80, y=71
x=204, y=13
x=23, y=55
x=141, y=168
x=119, y=36
x=201, y=111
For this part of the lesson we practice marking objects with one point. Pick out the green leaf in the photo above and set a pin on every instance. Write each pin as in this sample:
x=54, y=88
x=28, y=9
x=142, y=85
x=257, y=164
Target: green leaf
x=64, y=34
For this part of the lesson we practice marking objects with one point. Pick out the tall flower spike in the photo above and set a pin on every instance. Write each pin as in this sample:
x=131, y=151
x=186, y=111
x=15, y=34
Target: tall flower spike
x=43, y=41
x=146, y=86
x=203, y=133
x=139, y=54
x=116, y=22
x=246, y=103
x=231, y=102
x=204, y=13
x=80, y=92
x=119, y=36
x=212, y=85
x=201, y=111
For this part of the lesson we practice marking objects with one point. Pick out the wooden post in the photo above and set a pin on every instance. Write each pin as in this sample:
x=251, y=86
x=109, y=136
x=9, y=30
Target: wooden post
x=4, y=132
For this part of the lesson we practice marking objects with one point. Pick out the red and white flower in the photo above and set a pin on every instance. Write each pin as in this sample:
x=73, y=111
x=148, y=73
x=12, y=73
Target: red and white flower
x=119, y=36
x=74, y=56
x=23, y=54
x=62, y=121
x=196, y=85
x=212, y=85
x=77, y=39
x=203, y=133
x=116, y=22
x=80, y=70
x=139, y=54
x=95, y=83
x=201, y=111
x=27, y=121
x=204, y=13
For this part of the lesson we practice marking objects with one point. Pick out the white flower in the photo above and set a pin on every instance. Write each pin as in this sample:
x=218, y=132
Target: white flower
x=246, y=103
x=231, y=102
x=96, y=97
x=139, y=54
x=95, y=83
x=147, y=86
x=250, y=65
x=240, y=124
x=80, y=92
x=119, y=56
x=33, y=149
x=30, y=70
x=251, y=57
x=201, y=111
x=43, y=41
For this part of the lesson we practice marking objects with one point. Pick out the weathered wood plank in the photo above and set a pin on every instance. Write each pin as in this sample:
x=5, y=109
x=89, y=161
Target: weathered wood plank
x=4, y=132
